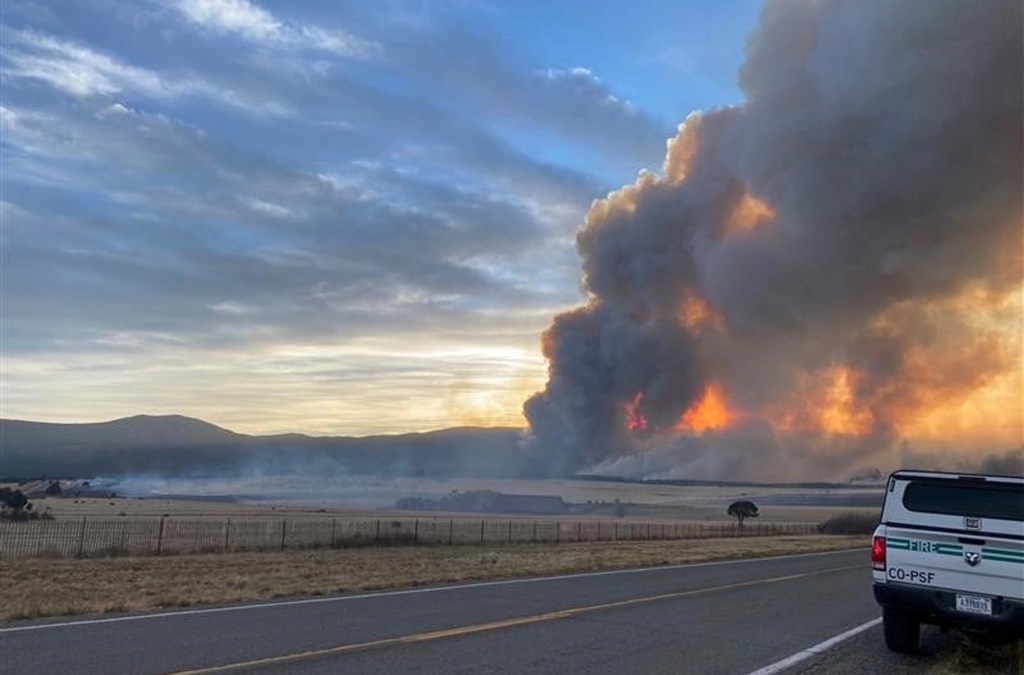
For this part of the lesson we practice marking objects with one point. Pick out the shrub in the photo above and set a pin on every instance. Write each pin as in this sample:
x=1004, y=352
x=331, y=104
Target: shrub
x=849, y=523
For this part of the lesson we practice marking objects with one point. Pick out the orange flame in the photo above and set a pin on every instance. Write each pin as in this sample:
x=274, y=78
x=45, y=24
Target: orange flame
x=695, y=312
x=710, y=412
x=748, y=213
x=635, y=419
x=826, y=401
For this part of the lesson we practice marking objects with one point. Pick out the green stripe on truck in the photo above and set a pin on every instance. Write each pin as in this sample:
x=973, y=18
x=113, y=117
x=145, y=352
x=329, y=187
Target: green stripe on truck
x=999, y=551
x=989, y=556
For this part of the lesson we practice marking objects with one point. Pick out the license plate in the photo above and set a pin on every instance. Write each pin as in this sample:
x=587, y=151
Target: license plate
x=974, y=604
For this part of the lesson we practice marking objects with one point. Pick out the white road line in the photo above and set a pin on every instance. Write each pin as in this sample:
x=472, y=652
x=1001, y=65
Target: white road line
x=410, y=591
x=790, y=661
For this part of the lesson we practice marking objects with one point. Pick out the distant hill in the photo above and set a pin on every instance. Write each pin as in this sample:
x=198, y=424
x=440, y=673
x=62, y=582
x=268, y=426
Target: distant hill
x=174, y=445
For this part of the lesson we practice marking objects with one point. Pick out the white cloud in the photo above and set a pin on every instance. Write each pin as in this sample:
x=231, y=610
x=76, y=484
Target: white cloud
x=83, y=72
x=584, y=83
x=271, y=209
x=78, y=70
x=234, y=308
x=232, y=16
x=243, y=18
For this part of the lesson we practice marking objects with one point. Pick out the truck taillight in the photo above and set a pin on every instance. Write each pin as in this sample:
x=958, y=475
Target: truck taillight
x=878, y=553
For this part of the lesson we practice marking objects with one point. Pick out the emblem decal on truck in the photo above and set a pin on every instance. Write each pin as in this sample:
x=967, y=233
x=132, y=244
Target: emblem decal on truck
x=972, y=558
x=972, y=523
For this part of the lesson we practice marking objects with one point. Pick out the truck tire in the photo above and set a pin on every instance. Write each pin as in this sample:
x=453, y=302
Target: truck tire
x=902, y=631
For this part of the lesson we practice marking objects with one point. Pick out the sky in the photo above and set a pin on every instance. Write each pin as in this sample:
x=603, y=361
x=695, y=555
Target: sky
x=323, y=217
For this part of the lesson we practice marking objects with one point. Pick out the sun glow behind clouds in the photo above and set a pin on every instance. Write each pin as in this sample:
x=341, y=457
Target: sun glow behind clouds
x=368, y=387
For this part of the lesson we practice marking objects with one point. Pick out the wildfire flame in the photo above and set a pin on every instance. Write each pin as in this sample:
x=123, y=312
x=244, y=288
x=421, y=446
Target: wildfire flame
x=826, y=401
x=748, y=213
x=712, y=412
x=635, y=419
x=695, y=312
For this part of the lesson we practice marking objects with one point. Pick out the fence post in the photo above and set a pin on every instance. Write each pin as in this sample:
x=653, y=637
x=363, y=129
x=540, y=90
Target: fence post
x=334, y=524
x=81, y=538
x=284, y=530
x=416, y=531
x=124, y=531
x=481, y=530
x=558, y=531
x=599, y=530
x=510, y=530
x=534, y=539
x=451, y=525
x=159, y=536
x=648, y=531
x=615, y=530
x=376, y=536
x=227, y=534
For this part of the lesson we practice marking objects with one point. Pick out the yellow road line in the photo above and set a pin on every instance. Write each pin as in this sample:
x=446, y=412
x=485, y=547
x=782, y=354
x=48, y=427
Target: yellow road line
x=495, y=625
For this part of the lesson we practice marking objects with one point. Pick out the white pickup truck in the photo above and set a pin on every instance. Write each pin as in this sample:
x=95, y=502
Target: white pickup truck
x=949, y=551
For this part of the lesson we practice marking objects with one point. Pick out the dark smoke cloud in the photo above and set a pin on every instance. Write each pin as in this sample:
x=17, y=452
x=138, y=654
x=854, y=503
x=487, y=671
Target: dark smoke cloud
x=887, y=139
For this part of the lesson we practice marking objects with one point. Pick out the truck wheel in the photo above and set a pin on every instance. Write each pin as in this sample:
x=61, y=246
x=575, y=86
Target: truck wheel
x=902, y=631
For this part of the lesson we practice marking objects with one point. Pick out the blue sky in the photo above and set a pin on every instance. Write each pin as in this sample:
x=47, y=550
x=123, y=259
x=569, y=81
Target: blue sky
x=333, y=217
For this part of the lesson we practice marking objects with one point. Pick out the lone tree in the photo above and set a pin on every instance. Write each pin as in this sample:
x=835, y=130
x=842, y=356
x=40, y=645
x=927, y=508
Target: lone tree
x=741, y=510
x=16, y=502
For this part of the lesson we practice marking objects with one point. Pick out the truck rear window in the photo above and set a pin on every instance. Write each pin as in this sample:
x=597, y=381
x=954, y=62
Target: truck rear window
x=1004, y=501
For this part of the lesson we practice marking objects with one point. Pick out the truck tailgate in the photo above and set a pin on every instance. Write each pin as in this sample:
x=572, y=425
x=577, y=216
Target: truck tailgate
x=987, y=566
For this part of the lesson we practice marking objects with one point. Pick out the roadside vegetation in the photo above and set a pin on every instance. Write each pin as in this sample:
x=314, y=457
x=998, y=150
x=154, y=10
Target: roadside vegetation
x=38, y=588
x=971, y=658
x=850, y=523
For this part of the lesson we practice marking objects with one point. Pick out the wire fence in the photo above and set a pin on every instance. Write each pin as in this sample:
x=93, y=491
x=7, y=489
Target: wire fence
x=97, y=537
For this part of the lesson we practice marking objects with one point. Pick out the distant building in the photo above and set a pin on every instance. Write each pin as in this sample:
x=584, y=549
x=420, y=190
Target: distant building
x=486, y=501
x=532, y=504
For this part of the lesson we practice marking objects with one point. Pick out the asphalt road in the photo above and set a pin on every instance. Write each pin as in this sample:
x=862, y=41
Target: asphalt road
x=733, y=617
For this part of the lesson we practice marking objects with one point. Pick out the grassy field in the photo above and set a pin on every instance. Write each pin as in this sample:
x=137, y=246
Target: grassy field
x=67, y=507
x=37, y=588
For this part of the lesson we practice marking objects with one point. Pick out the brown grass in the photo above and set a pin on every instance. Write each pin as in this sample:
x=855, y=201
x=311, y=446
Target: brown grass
x=38, y=588
x=974, y=659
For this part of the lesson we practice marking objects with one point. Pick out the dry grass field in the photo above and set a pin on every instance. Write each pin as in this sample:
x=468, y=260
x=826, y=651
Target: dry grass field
x=709, y=506
x=37, y=588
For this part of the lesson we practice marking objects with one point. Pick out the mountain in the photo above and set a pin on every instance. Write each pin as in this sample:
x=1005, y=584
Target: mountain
x=137, y=431
x=174, y=445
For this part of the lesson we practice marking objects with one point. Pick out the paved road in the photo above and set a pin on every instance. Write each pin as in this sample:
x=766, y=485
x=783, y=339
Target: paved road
x=733, y=617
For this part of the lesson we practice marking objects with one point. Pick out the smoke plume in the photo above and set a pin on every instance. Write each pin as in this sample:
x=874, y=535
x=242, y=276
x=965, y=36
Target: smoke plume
x=818, y=277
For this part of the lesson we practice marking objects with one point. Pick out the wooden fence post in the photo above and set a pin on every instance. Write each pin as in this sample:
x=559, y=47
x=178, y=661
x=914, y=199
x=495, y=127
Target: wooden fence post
x=124, y=532
x=510, y=530
x=481, y=530
x=81, y=538
x=376, y=536
x=284, y=530
x=227, y=534
x=599, y=530
x=159, y=537
x=334, y=524
x=451, y=526
x=534, y=539
x=416, y=531
x=558, y=531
